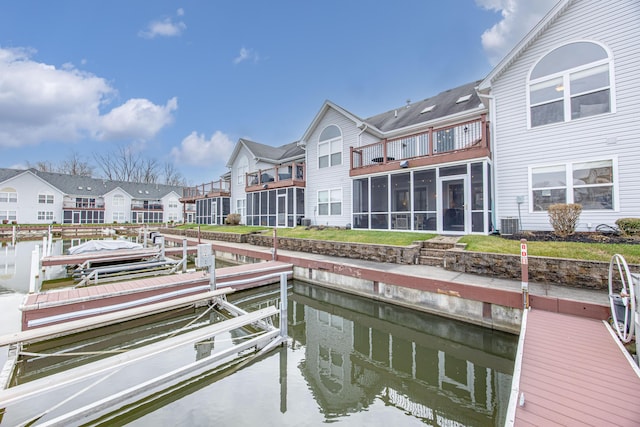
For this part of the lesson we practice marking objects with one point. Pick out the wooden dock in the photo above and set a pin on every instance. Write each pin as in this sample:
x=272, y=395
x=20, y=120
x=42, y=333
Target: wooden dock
x=56, y=306
x=571, y=371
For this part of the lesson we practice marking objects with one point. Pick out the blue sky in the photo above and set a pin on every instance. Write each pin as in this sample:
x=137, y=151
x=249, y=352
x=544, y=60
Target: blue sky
x=181, y=82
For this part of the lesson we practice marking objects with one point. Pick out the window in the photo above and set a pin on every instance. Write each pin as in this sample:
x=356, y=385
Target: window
x=240, y=208
x=8, y=215
x=330, y=202
x=570, y=82
x=118, y=217
x=45, y=215
x=8, y=195
x=118, y=201
x=590, y=184
x=330, y=147
x=173, y=203
x=45, y=198
x=243, y=168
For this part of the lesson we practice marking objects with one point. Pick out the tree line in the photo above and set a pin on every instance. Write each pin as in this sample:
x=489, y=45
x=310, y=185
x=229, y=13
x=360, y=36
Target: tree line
x=119, y=165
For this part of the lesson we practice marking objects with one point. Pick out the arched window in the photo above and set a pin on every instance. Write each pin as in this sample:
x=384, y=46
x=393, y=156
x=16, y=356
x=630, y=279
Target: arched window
x=570, y=82
x=330, y=147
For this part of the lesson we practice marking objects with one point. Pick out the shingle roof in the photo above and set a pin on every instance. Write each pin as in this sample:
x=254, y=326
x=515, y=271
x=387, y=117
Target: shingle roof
x=444, y=105
x=267, y=152
x=86, y=186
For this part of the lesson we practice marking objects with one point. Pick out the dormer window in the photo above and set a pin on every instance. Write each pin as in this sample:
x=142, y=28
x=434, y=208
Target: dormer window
x=569, y=83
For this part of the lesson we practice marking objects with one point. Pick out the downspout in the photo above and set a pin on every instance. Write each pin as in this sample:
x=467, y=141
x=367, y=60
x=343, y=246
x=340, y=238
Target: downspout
x=493, y=142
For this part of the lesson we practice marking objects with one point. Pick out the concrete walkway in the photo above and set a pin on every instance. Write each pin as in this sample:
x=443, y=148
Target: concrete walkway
x=539, y=289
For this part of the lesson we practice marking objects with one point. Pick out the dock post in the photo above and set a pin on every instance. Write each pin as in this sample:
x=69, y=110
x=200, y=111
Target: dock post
x=283, y=306
x=184, y=255
x=524, y=265
x=212, y=270
x=35, y=262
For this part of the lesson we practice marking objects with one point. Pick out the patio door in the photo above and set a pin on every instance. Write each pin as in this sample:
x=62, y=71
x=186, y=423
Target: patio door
x=76, y=217
x=282, y=210
x=214, y=211
x=453, y=207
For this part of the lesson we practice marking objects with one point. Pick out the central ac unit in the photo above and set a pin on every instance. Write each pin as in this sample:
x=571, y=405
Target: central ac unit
x=509, y=225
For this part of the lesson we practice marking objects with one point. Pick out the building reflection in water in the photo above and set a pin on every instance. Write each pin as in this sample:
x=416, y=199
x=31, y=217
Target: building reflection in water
x=439, y=370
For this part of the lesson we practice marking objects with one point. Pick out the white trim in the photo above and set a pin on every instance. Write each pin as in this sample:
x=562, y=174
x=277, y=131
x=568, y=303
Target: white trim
x=517, y=369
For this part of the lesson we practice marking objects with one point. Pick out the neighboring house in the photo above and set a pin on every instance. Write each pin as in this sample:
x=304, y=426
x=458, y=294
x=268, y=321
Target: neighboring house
x=268, y=183
x=566, y=120
x=422, y=166
x=34, y=197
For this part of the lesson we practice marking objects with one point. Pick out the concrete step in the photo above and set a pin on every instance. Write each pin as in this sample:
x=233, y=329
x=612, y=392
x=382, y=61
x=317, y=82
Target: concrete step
x=430, y=260
x=433, y=252
x=438, y=245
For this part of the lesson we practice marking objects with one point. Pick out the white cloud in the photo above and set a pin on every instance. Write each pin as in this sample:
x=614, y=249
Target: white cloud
x=180, y=12
x=246, y=55
x=137, y=118
x=165, y=28
x=518, y=18
x=39, y=102
x=196, y=150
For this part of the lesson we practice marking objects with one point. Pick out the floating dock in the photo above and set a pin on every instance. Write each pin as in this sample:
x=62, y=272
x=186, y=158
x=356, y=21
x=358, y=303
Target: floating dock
x=572, y=371
x=57, y=306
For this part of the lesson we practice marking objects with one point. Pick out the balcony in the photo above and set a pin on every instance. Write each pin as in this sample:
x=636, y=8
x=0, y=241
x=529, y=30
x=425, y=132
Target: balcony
x=203, y=191
x=145, y=205
x=83, y=205
x=287, y=175
x=463, y=141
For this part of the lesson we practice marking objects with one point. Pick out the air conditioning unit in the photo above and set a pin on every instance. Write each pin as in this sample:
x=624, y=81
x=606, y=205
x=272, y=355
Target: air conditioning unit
x=509, y=225
x=306, y=222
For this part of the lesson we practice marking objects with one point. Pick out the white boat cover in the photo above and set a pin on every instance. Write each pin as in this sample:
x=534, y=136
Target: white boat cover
x=102, y=245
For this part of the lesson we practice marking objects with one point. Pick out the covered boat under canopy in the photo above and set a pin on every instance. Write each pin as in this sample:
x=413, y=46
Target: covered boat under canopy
x=102, y=245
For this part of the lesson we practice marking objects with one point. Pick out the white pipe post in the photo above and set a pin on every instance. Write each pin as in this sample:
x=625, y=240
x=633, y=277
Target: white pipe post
x=212, y=270
x=184, y=255
x=283, y=306
x=13, y=236
x=44, y=244
x=635, y=281
x=35, y=257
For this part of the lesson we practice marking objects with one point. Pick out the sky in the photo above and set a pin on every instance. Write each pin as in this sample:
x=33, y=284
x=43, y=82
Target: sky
x=180, y=82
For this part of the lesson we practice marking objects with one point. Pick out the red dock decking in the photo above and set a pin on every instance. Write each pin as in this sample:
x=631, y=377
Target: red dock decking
x=573, y=373
x=46, y=308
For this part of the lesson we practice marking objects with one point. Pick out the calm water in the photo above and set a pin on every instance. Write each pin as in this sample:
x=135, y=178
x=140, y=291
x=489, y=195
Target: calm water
x=350, y=360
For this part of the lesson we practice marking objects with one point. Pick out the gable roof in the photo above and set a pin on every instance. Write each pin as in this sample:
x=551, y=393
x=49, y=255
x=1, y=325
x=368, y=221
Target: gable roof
x=77, y=185
x=268, y=153
x=451, y=102
x=517, y=51
x=326, y=106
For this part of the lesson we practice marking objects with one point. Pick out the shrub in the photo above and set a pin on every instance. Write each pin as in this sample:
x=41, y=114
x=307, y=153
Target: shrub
x=564, y=218
x=233, y=219
x=629, y=226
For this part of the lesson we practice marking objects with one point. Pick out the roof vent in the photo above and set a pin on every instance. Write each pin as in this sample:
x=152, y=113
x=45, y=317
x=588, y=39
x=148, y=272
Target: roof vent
x=464, y=98
x=89, y=188
x=80, y=187
x=428, y=109
x=140, y=191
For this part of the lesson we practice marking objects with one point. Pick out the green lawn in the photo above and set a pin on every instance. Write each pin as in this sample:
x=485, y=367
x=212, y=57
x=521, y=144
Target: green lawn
x=475, y=243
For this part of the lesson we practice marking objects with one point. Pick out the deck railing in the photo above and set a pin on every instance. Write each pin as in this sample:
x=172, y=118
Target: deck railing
x=432, y=142
x=287, y=173
x=219, y=187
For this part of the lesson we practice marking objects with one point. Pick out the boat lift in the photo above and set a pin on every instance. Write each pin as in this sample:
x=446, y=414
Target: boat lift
x=624, y=298
x=267, y=339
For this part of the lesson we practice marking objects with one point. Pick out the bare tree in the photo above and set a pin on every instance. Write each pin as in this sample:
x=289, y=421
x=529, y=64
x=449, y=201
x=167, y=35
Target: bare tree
x=74, y=165
x=124, y=165
x=41, y=166
x=172, y=176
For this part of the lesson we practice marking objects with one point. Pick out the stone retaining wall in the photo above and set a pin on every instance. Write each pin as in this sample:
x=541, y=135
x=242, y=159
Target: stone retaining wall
x=208, y=235
x=569, y=272
x=368, y=252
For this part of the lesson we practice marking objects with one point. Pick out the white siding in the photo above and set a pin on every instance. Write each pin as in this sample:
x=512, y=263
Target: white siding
x=109, y=208
x=331, y=177
x=616, y=25
x=28, y=188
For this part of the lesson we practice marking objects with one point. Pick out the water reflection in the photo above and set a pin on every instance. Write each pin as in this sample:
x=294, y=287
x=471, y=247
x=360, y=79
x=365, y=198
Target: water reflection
x=350, y=360
x=358, y=351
